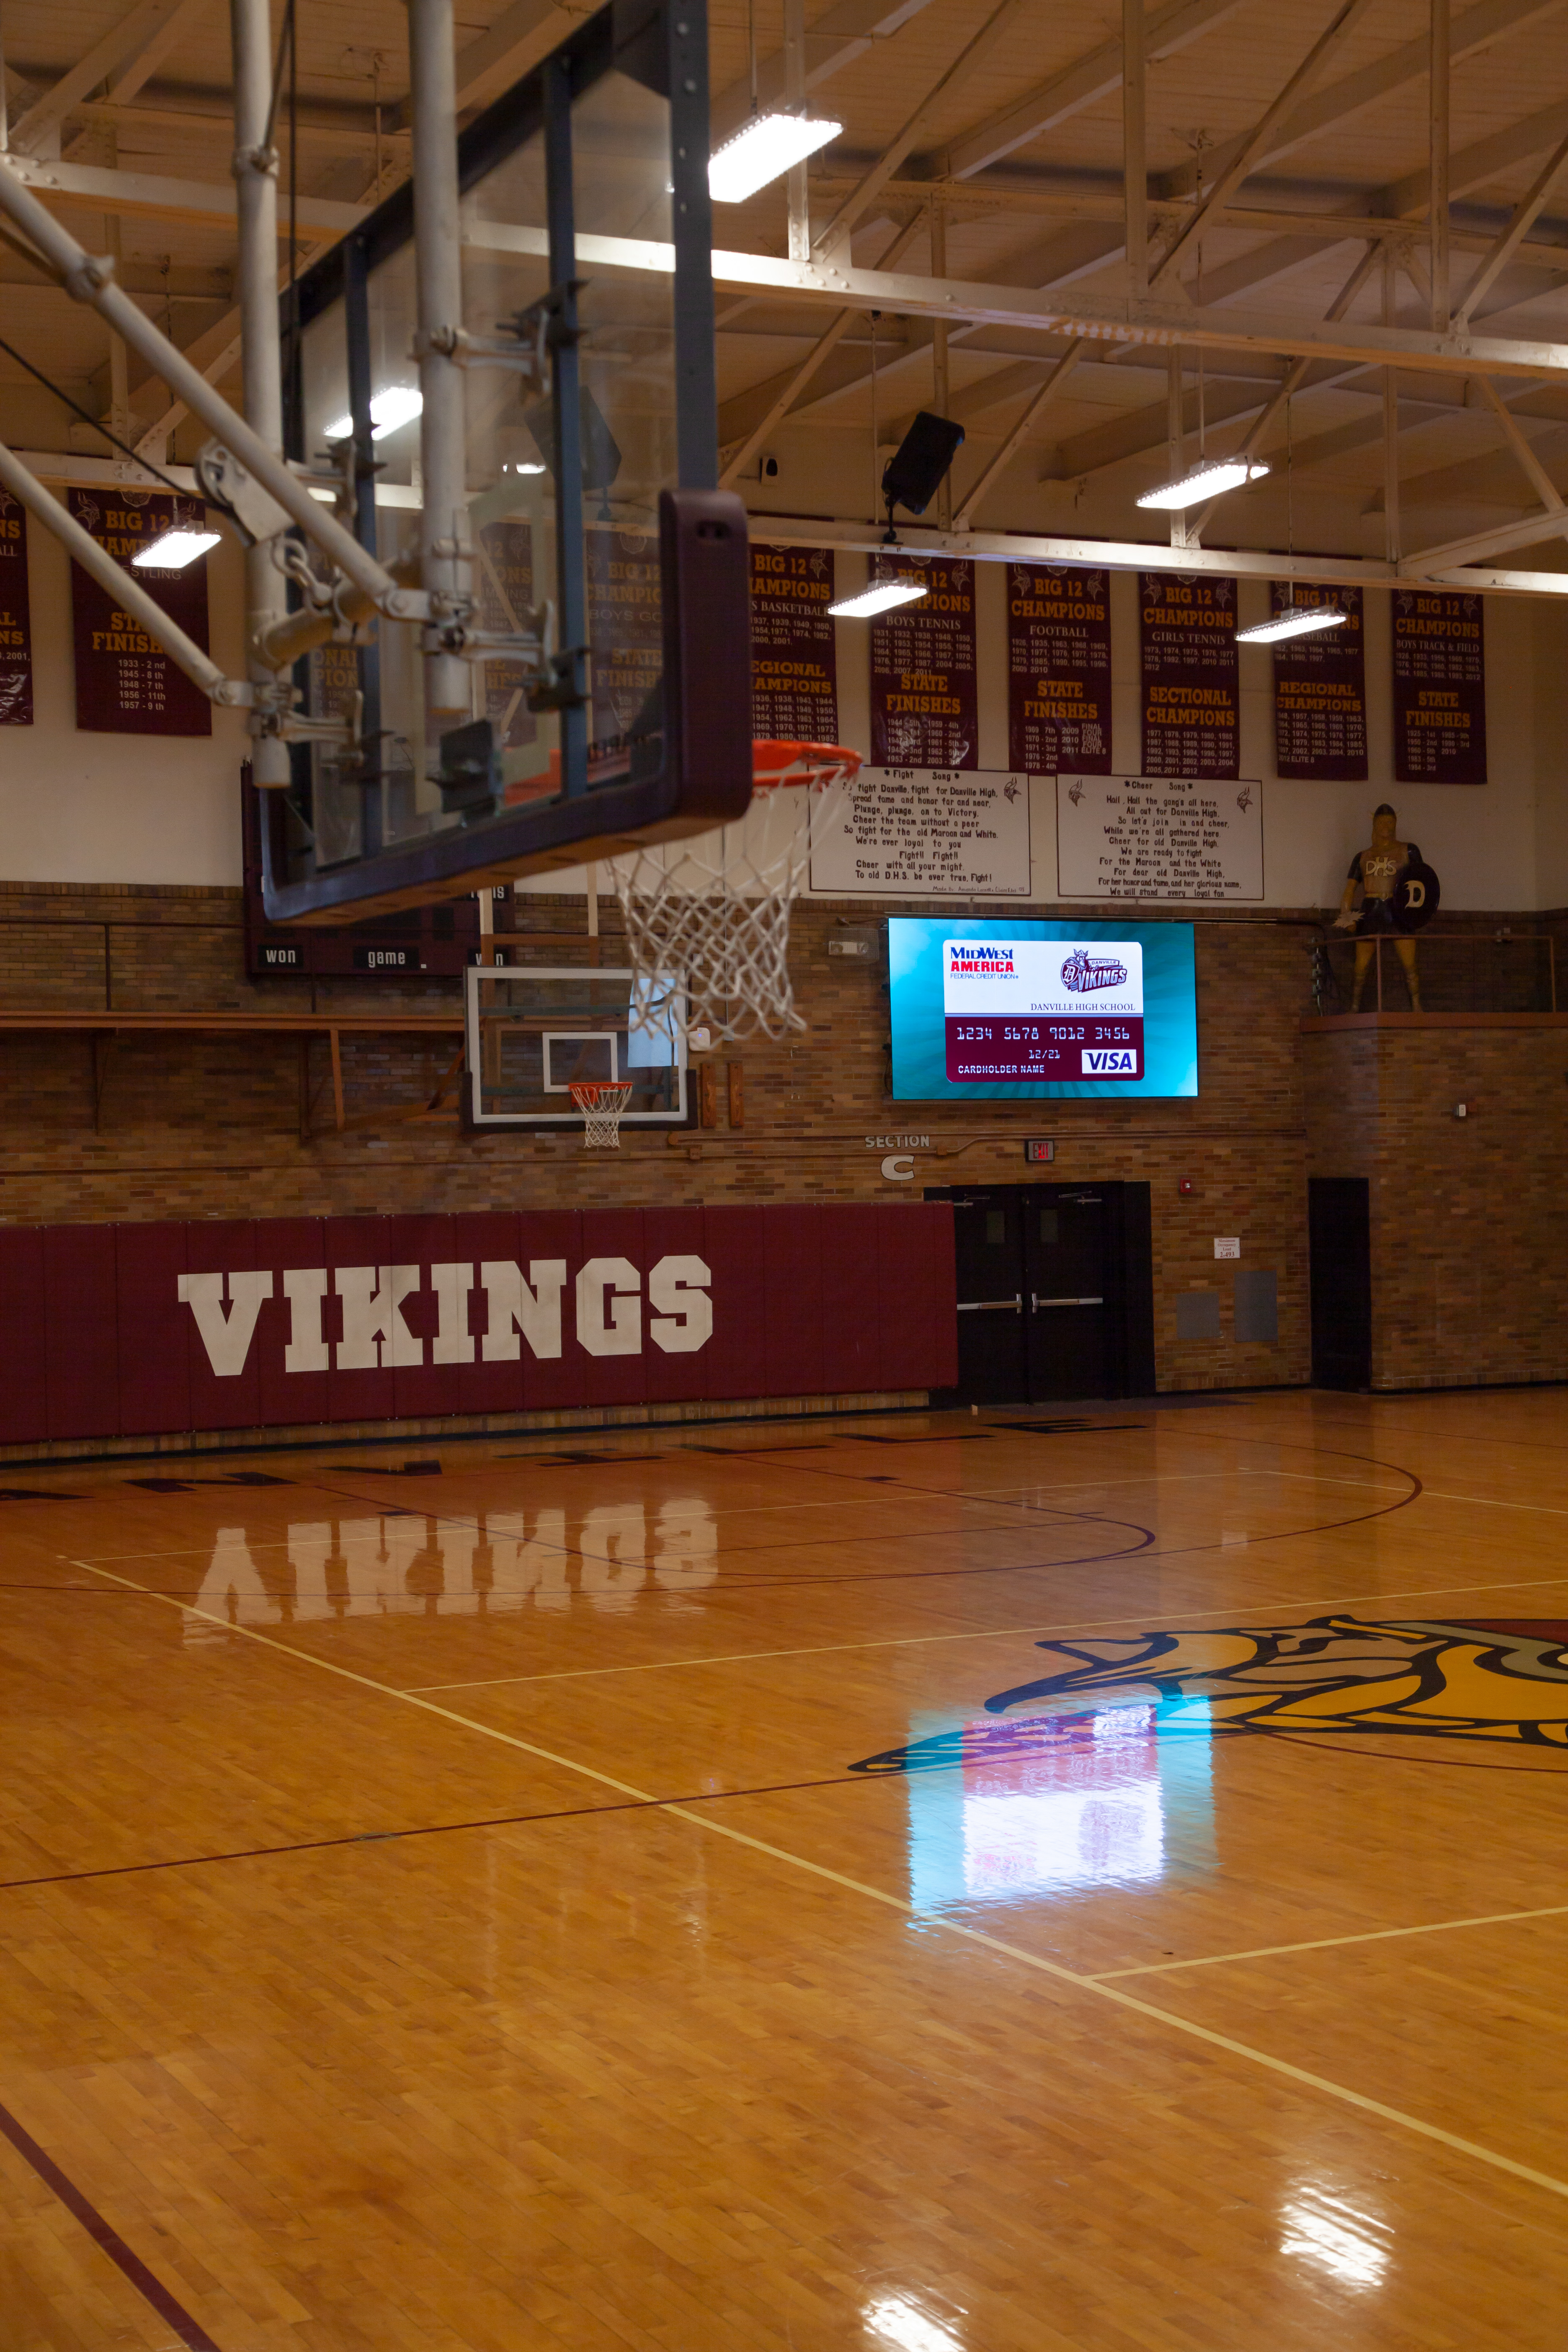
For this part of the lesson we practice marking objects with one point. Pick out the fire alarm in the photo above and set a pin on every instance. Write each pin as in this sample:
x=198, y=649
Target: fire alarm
x=1184, y=1185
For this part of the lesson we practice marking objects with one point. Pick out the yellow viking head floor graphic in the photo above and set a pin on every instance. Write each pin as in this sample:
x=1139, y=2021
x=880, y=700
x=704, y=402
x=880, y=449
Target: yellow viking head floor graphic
x=1496, y=1679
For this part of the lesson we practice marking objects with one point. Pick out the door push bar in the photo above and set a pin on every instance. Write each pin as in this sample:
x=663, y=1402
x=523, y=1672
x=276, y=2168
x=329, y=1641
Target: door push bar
x=1037, y=1303
x=1013, y=1306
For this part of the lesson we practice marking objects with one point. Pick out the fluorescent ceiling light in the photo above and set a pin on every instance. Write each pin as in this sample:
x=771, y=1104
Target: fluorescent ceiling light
x=879, y=599
x=522, y=467
x=1295, y=621
x=764, y=149
x=1205, y=482
x=398, y=406
x=174, y=551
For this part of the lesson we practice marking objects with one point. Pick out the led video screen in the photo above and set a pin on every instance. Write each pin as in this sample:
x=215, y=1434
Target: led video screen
x=1036, y=1012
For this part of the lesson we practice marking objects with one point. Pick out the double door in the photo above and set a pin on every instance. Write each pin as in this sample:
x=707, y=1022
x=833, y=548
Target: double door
x=1055, y=1292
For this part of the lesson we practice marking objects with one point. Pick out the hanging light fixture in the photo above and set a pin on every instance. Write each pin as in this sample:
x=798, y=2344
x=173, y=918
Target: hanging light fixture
x=173, y=550
x=880, y=597
x=1295, y=621
x=1205, y=482
x=766, y=146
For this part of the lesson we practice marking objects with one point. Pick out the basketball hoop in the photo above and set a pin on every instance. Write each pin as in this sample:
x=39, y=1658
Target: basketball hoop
x=601, y=1102
x=714, y=911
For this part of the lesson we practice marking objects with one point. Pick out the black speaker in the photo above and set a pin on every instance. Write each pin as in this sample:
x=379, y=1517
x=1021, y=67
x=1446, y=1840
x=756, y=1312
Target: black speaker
x=911, y=474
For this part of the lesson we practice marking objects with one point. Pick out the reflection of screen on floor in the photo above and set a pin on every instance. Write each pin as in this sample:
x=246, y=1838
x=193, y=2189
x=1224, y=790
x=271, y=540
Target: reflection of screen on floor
x=1032, y=1010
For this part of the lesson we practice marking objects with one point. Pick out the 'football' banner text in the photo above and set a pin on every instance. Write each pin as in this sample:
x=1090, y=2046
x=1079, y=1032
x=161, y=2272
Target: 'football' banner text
x=125, y=683
x=1189, y=689
x=925, y=703
x=1439, y=688
x=1319, y=691
x=1058, y=670
x=795, y=660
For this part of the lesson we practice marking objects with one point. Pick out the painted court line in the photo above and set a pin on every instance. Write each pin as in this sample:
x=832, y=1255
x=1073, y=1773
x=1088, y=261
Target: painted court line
x=1329, y=1943
x=1130, y=2003
x=992, y=1634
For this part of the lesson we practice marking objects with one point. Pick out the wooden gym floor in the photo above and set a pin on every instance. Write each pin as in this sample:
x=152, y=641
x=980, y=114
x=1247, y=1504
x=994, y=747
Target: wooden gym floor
x=440, y=1908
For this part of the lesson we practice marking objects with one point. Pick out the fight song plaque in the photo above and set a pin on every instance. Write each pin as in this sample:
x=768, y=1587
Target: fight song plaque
x=626, y=632
x=125, y=683
x=1319, y=691
x=925, y=833
x=1189, y=689
x=925, y=700
x=1439, y=688
x=1042, y=1009
x=795, y=656
x=1059, y=669
x=15, y=617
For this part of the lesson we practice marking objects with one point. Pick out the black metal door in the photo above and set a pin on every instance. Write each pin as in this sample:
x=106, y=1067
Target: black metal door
x=988, y=1240
x=1069, y=1308
x=1339, y=1222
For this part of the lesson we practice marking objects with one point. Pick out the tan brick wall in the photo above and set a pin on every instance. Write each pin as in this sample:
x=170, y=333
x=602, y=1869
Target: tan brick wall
x=196, y=1127
x=1469, y=1217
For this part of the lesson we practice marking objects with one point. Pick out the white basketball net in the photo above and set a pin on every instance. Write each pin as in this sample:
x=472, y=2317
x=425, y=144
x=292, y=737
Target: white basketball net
x=716, y=909
x=601, y=1103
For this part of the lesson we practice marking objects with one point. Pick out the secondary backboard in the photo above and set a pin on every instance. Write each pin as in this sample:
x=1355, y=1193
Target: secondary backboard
x=591, y=461
x=532, y=1033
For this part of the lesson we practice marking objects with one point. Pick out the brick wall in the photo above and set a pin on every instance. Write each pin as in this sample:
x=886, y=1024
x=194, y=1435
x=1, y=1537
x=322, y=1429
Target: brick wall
x=1467, y=1221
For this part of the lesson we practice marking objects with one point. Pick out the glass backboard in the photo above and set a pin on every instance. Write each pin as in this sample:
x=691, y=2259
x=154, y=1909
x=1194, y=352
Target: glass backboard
x=531, y=1034
x=591, y=459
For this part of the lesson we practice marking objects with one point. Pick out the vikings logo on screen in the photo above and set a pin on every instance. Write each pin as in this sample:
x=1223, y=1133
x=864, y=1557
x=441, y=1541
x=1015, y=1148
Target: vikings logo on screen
x=1042, y=1009
x=1497, y=1679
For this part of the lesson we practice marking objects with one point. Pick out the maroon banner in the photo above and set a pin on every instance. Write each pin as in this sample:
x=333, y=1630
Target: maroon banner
x=925, y=697
x=1058, y=670
x=15, y=617
x=505, y=579
x=1190, y=693
x=626, y=632
x=126, y=682
x=1319, y=691
x=1439, y=688
x=110, y=1331
x=794, y=658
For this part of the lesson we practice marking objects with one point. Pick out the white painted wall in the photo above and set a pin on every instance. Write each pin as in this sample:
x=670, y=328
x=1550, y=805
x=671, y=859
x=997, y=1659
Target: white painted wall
x=77, y=807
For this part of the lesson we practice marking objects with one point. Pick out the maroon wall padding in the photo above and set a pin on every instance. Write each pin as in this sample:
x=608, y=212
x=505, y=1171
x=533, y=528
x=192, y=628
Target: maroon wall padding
x=95, y=1340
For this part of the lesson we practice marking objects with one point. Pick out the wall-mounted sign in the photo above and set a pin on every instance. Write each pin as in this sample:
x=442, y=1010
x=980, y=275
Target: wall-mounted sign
x=625, y=631
x=925, y=695
x=126, y=682
x=1059, y=669
x=795, y=656
x=1158, y=837
x=1319, y=691
x=1190, y=691
x=1439, y=687
x=926, y=832
x=1226, y=1246
x=15, y=617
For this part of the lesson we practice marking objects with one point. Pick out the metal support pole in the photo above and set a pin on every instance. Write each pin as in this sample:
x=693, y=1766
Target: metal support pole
x=447, y=556
x=367, y=661
x=261, y=355
x=1175, y=436
x=1438, y=126
x=1134, y=148
x=129, y=596
x=794, y=104
x=89, y=277
x=1390, y=425
x=940, y=380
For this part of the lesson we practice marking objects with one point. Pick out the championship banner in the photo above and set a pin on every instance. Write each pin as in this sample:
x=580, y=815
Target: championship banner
x=795, y=653
x=15, y=617
x=1058, y=670
x=504, y=579
x=1319, y=691
x=125, y=683
x=1190, y=690
x=626, y=632
x=925, y=700
x=1439, y=688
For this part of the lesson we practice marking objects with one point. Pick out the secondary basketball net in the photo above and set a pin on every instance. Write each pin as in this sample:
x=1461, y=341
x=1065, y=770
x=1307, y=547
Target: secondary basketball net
x=714, y=912
x=601, y=1102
